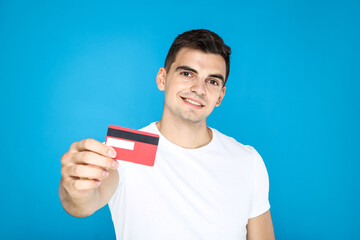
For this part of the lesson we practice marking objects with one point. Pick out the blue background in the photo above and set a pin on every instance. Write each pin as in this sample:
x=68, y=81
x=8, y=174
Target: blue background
x=68, y=69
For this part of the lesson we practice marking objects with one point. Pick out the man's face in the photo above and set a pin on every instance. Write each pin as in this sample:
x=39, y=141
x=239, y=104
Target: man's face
x=193, y=85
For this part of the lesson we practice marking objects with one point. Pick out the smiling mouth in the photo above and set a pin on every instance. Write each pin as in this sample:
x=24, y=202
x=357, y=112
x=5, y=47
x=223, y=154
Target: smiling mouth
x=192, y=102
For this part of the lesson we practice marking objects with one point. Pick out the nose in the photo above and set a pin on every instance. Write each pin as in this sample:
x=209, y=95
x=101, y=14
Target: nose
x=198, y=87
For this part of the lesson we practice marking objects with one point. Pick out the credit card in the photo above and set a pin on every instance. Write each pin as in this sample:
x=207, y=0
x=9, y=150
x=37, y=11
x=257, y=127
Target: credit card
x=133, y=145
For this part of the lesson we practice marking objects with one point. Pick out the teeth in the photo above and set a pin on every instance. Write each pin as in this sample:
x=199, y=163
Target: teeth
x=190, y=101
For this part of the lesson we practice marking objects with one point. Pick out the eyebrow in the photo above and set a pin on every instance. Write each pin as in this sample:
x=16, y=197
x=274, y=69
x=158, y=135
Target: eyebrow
x=187, y=68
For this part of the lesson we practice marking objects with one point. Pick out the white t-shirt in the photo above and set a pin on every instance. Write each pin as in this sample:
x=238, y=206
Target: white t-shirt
x=204, y=193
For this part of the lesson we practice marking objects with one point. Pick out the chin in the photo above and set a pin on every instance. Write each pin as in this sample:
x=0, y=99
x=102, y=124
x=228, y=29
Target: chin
x=193, y=119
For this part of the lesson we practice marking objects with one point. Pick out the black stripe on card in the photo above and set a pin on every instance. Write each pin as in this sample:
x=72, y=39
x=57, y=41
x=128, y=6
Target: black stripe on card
x=132, y=136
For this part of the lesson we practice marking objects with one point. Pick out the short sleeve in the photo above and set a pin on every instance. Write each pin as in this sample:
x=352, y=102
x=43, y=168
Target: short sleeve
x=260, y=199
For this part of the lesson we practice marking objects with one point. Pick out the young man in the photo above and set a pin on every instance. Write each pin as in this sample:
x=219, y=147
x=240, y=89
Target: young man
x=204, y=185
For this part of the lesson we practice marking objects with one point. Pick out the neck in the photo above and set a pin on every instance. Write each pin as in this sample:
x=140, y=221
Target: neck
x=185, y=134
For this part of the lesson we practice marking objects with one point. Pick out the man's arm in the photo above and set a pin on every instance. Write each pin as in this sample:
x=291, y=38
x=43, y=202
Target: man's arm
x=260, y=227
x=88, y=177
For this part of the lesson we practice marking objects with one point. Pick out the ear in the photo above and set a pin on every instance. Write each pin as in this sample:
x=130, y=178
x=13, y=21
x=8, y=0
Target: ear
x=221, y=97
x=160, y=79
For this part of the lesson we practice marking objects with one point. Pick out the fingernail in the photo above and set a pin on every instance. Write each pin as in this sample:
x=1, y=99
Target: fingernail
x=115, y=164
x=111, y=153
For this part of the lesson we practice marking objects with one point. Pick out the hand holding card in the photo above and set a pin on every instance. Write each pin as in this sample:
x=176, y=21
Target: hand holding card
x=133, y=145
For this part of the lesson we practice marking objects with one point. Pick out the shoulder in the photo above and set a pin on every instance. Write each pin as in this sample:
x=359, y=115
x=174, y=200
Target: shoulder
x=151, y=128
x=232, y=144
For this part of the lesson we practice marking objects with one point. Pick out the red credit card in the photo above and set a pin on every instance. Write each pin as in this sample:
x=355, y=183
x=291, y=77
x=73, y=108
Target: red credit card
x=133, y=145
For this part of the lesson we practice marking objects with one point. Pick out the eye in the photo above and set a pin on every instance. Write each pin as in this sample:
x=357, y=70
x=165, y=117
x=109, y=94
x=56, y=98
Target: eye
x=186, y=74
x=214, y=82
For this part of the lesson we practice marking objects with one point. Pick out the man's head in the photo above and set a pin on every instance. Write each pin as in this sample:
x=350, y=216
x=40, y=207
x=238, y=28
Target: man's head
x=200, y=39
x=194, y=76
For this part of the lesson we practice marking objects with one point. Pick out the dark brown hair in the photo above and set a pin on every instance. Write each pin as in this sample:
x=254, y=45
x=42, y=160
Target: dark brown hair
x=201, y=39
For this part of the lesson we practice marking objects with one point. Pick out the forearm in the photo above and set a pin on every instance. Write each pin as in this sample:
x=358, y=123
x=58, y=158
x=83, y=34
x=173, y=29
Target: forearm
x=82, y=206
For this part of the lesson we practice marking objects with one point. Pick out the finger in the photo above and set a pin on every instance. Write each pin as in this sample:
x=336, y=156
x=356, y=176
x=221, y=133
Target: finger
x=96, y=160
x=88, y=172
x=85, y=184
x=93, y=146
